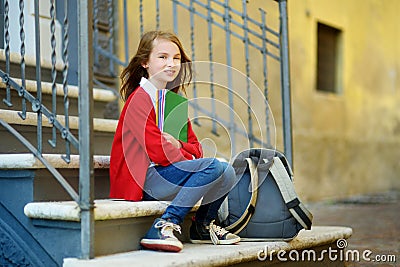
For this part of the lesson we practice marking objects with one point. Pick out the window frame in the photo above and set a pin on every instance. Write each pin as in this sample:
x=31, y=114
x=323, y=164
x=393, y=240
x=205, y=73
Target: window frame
x=329, y=59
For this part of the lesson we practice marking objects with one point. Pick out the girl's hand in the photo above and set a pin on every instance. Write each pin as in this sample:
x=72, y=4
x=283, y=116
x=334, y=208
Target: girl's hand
x=172, y=140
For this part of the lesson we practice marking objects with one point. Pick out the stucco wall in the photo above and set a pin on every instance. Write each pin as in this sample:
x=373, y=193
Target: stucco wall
x=347, y=143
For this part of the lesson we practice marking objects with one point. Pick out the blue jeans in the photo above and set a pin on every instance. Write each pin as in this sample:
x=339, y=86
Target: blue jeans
x=185, y=183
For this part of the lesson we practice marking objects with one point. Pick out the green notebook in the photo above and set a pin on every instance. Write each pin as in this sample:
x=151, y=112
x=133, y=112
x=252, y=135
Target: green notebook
x=175, y=114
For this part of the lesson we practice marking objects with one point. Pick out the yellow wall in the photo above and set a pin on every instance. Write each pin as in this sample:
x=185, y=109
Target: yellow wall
x=346, y=143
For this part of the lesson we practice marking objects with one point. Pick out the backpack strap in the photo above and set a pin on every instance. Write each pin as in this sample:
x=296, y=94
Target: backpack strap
x=296, y=208
x=238, y=226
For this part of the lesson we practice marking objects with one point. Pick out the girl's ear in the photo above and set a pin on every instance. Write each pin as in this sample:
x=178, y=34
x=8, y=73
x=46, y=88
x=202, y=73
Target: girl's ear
x=144, y=65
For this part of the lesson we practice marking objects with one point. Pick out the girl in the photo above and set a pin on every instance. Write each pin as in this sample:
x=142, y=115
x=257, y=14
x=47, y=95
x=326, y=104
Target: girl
x=147, y=164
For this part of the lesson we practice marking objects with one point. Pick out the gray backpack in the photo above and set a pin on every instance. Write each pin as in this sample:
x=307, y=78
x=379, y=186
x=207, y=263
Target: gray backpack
x=263, y=205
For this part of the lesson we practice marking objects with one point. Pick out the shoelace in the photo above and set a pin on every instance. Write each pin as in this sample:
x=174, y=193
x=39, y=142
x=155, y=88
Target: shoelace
x=167, y=228
x=216, y=231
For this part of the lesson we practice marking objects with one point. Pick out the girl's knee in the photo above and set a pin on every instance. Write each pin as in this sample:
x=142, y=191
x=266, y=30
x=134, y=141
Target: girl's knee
x=218, y=167
x=229, y=173
x=226, y=167
x=222, y=170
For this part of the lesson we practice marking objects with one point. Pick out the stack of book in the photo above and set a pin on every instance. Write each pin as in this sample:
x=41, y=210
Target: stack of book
x=172, y=114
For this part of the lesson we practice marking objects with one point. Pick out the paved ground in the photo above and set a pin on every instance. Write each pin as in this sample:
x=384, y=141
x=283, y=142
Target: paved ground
x=375, y=220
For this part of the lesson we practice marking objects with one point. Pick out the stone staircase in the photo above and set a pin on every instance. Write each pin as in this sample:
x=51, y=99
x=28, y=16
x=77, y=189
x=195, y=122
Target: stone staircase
x=25, y=180
x=41, y=226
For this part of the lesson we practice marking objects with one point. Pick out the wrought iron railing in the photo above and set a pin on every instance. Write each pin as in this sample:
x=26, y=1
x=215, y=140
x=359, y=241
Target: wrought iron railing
x=254, y=33
x=89, y=51
x=83, y=143
x=237, y=24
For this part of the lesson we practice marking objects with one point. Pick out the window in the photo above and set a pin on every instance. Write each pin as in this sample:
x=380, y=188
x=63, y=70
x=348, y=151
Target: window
x=328, y=59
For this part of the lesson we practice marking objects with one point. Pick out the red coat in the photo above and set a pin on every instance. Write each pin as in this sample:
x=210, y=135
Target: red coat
x=137, y=142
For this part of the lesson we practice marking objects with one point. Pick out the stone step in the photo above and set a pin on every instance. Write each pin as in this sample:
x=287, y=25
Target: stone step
x=104, y=130
x=30, y=66
x=102, y=98
x=29, y=161
x=43, y=186
x=316, y=242
x=105, y=209
x=119, y=225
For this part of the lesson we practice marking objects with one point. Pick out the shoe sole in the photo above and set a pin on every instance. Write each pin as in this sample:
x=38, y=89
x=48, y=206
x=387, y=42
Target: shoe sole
x=156, y=245
x=221, y=242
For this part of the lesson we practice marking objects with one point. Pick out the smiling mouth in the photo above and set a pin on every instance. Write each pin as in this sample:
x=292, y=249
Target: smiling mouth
x=170, y=72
